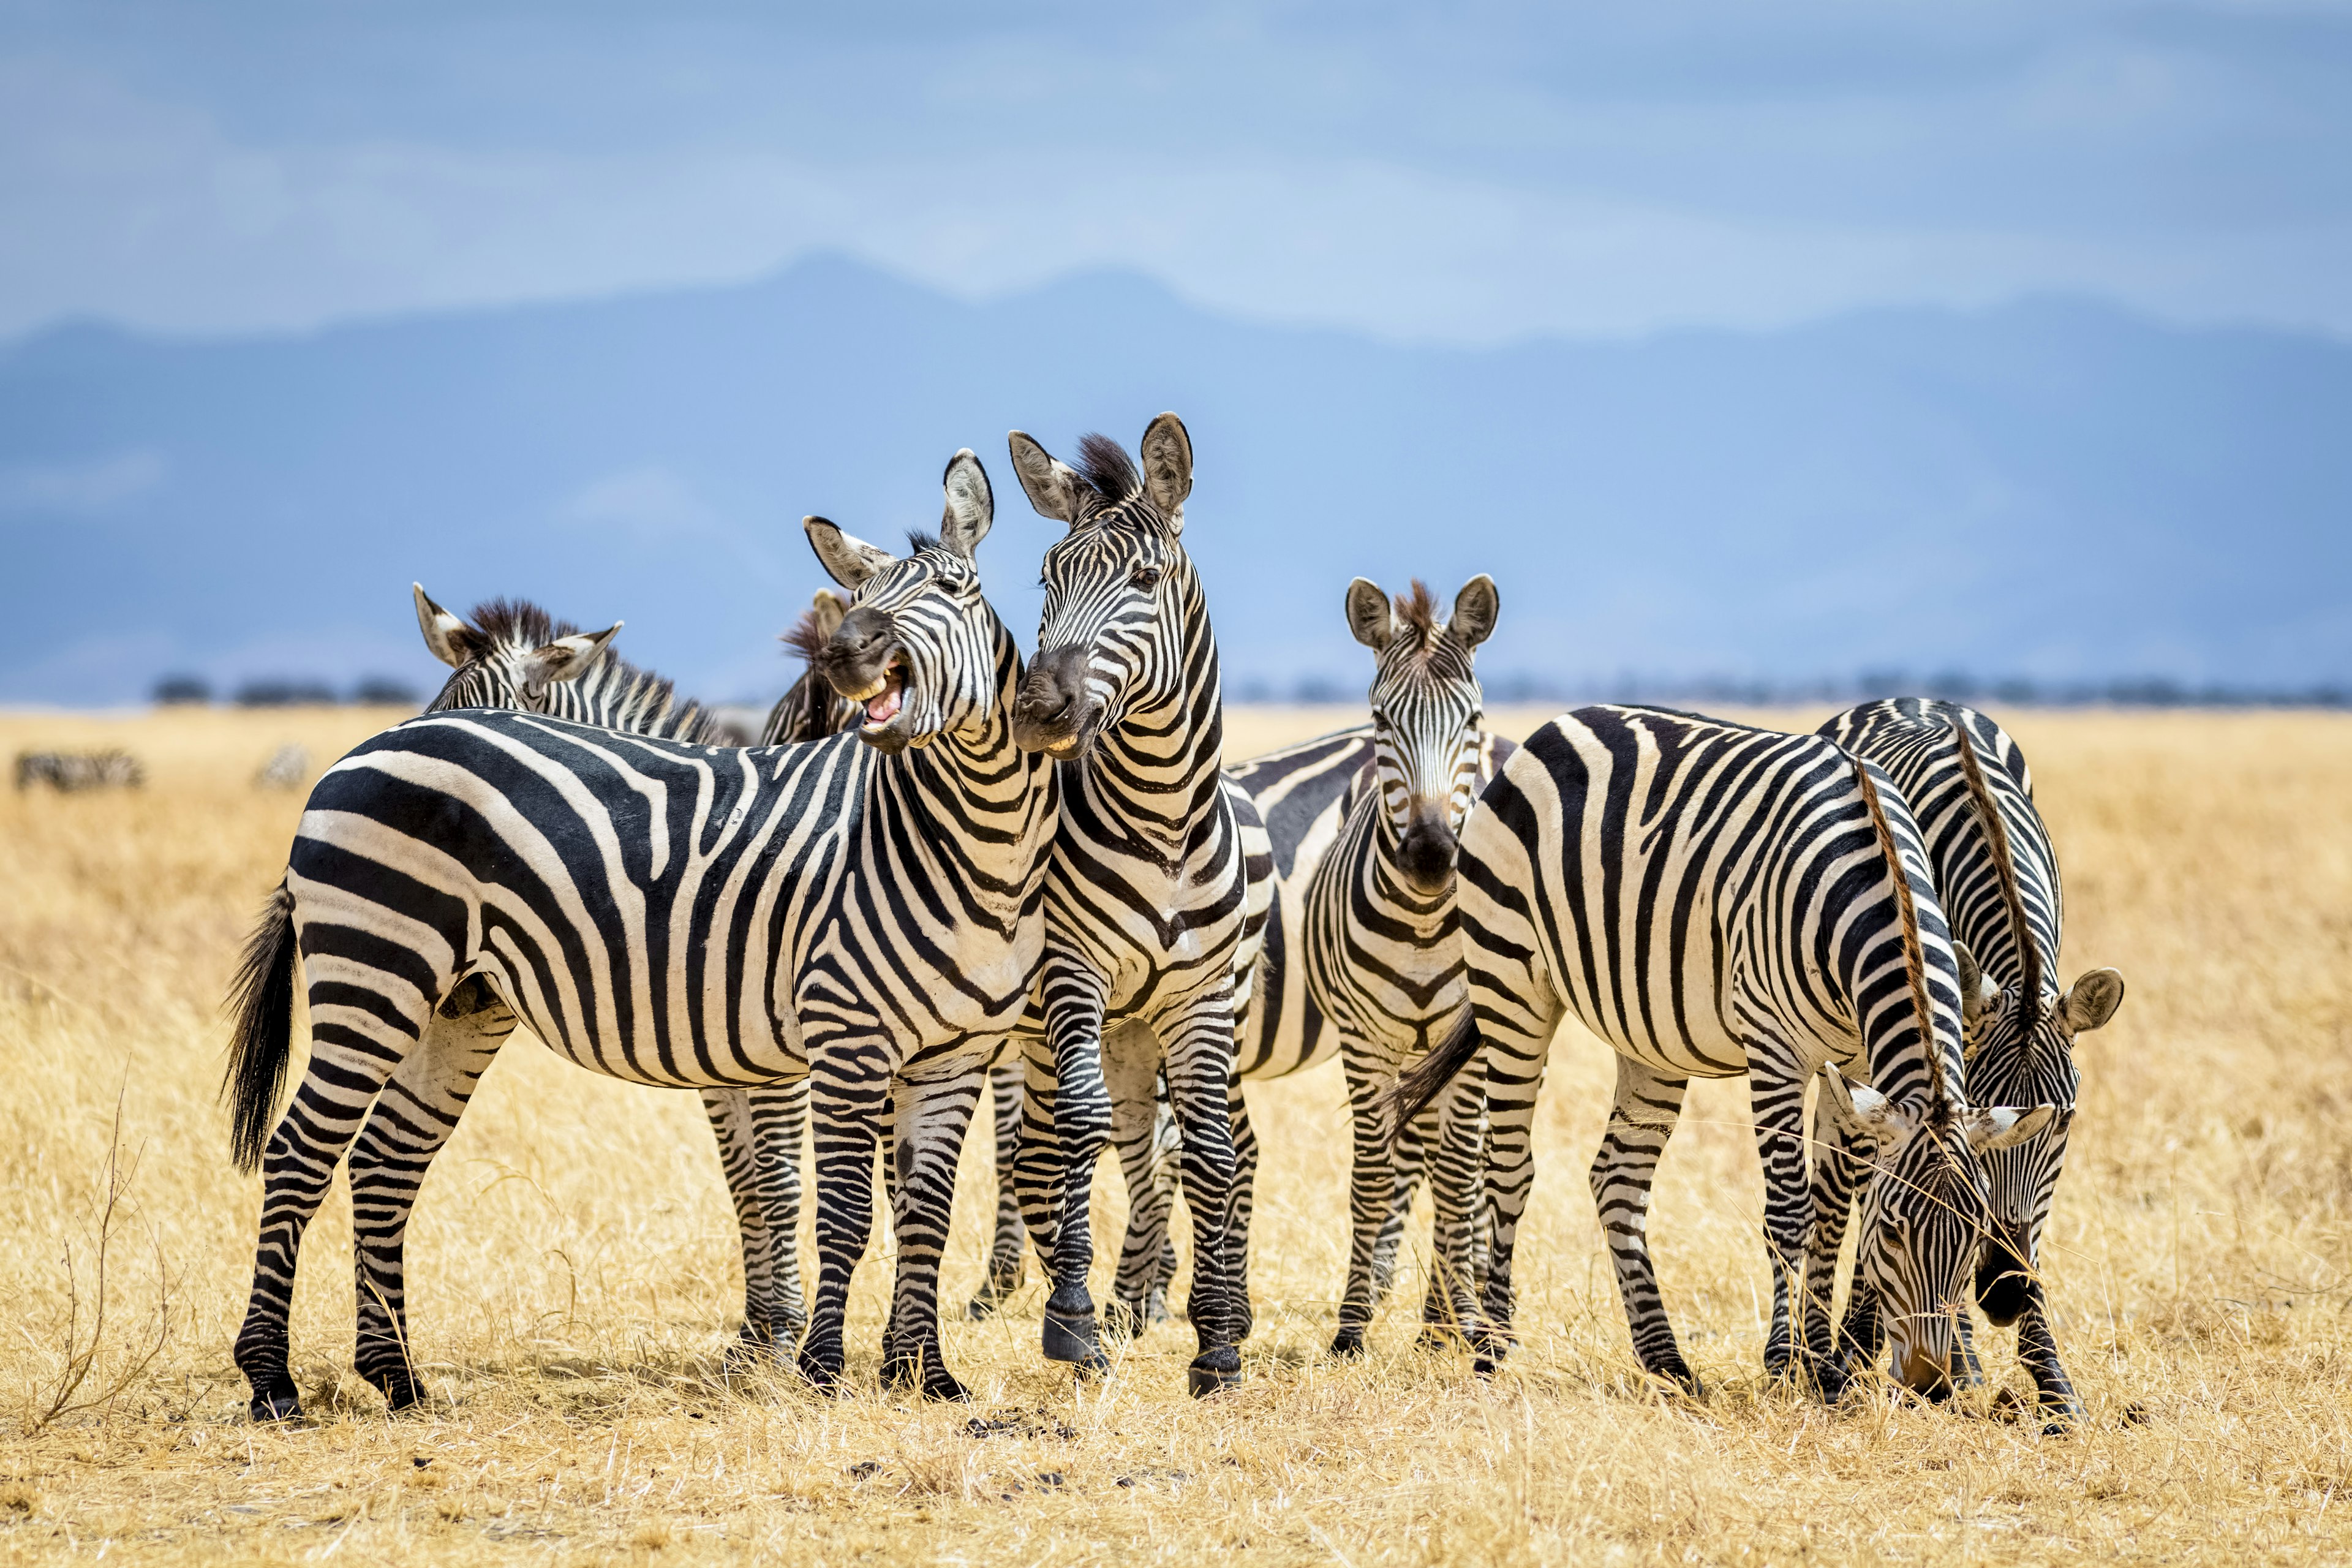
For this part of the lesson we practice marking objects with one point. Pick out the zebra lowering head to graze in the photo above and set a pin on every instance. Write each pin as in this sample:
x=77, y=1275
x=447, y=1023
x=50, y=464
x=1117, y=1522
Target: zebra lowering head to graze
x=868, y=909
x=513, y=654
x=69, y=773
x=1146, y=904
x=1382, y=947
x=1996, y=874
x=809, y=708
x=1713, y=900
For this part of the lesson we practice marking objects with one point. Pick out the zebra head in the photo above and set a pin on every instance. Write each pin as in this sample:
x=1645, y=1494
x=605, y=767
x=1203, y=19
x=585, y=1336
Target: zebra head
x=511, y=655
x=919, y=646
x=1121, y=598
x=1925, y=1214
x=2020, y=1050
x=1426, y=713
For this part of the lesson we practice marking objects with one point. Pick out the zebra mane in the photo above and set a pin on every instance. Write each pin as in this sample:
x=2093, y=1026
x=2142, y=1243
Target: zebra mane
x=806, y=637
x=2004, y=864
x=1915, y=957
x=919, y=539
x=1107, y=469
x=1417, y=610
x=518, y=620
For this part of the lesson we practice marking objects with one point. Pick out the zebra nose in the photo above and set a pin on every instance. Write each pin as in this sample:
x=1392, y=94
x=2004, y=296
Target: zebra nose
x=1426, y=852
x=1048, y=712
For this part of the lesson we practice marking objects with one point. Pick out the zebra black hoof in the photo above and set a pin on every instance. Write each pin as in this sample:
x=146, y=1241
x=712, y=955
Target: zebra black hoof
x=399, y=1390
x=1070, y=1334
x=279, y=1402
x=823, y=1372
x=922, y=1371
x=1214, y=1371
x=1347, y=1343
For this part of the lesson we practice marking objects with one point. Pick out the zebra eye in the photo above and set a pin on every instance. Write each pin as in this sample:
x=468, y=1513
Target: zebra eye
x=1146, y=577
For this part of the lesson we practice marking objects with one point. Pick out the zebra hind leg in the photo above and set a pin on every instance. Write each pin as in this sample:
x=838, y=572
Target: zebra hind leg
x=1777, y=1099
x=1006, y=1253
x=1143, y=1134
x=931, y=1119
x=1200, y=1065
x=412, y=1120
x=1641, y=1120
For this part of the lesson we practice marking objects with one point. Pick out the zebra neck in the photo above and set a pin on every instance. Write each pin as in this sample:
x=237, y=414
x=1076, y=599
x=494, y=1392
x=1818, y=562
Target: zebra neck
x=1159, y=772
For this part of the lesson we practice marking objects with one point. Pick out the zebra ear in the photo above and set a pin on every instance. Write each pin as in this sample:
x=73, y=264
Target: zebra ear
x=1474, y=609
x=1052, y=485
x=1168, y=468
x=568, y=658
x=1861, y=1109
x=825, y=613
x=1999, y=1126
x=1368, y=614
x=1978, y=993
x=851, y=561
x=2091, y=1001
x=971, y=504
x=453, y=642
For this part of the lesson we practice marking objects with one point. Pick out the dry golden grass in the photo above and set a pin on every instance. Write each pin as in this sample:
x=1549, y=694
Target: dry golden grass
x=573, y=1275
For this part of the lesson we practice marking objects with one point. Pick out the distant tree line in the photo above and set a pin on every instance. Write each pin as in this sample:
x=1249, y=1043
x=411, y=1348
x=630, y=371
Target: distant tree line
x=282, y=691
x=1521, y=686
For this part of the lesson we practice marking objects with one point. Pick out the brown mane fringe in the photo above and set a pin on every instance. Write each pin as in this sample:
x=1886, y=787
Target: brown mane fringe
x=2012, y=899
x=1418, y=609
x=1915, y=957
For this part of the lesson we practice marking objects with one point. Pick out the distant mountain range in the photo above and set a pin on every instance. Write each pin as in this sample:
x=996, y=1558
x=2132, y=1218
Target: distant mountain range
x=2052, y=489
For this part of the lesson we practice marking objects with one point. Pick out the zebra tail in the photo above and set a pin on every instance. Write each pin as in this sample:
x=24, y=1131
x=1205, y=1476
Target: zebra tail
x=1426, y=1078
x=262, y=997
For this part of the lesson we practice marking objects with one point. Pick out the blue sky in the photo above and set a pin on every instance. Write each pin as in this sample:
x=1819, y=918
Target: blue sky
x=1458, y=175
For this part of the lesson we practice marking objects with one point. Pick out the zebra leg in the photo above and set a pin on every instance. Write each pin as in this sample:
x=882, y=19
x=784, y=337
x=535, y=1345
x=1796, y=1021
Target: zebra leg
x=1237, y=1227
x=1836, y=1172
x=760, y=1132
x=1200, y=1064
x=1410, y=1156
x=849, y=1085
x=1005, y=1257
x=1062, y=1135
x=1131, y=1073
x=1777, y=1102
x=355, y=1047
x=1641, y=1119
x=413, y=1118
x=1374, y=1181
x=1450, y=1311
x=931, y=1119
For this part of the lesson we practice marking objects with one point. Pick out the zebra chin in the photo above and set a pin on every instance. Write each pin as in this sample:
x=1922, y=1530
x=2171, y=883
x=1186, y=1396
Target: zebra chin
x=2002, y=1281
x=1053, y=712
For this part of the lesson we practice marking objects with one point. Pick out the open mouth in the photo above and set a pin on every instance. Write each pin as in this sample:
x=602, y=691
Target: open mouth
x=883, y=698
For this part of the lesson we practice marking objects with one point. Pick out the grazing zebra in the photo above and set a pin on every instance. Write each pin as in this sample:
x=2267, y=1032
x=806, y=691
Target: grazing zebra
x=69, y=773
x=1383, y=949
x=867, y=910
x=1996, y=875
x=1713, y=900
x=512, y=654
x=1147, y=899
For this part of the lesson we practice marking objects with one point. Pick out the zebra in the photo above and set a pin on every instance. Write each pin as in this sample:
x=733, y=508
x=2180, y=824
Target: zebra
x=809, y=708
x=1150, y=885
x=69, y=773
x=867, y=910
x=1712, y=899
x=512, y=654
x=1996, y=873
x=1382, y=951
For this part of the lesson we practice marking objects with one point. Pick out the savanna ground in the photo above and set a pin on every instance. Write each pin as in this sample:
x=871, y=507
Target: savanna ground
x=574, y=1275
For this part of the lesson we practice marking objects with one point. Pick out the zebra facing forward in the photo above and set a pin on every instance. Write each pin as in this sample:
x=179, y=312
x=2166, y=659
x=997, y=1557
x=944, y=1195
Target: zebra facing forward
x=1713, y=900
x=1996, y=874
x=867, y=910
x=1383, y=948
x=1146, y=902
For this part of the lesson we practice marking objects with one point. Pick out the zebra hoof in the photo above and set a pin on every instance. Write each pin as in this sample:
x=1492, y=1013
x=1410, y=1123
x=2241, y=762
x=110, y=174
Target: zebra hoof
x=821, y=1372
x=1070, y=1334
x=279, y=1402
x=399, y=1390
x=980, y=1309
x=1214, y=1371
x=1348, y=1345
x=922, y=1371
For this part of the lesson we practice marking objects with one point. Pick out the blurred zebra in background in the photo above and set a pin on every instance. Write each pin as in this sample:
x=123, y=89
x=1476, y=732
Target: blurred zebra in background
x=1713, y=900
x=1996, y=873
x=68, y=772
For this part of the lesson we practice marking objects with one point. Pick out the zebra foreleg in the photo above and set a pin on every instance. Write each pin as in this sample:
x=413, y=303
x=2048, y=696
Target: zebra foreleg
x=1058, y=1150
x=1458, y=1141
x=1375, y=1183
x=1131, y=1073
x=1410, y=1154
x=1200, y=1065
x=412, y=1120
x=931, y=1118
x=849, y=1089
x=1245, y=1205
x=1777, y=1103
x=1006, y=1251
x=1836, y=1169
x=1641, y=1120
x=759, y=1133
x=355, y=1050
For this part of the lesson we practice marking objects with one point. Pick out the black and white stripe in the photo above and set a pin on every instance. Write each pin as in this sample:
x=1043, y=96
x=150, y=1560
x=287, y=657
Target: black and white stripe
x=1713, y=900
x=1147, y=895
x=1996, y=871
x=867, y=910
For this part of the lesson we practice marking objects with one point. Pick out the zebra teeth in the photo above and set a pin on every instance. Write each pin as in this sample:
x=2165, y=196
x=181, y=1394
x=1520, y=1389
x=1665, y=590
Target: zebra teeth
x=868, y=693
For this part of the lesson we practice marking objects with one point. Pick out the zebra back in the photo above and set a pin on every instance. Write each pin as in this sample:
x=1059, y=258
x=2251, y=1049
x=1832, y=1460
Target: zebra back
x=513, y=654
